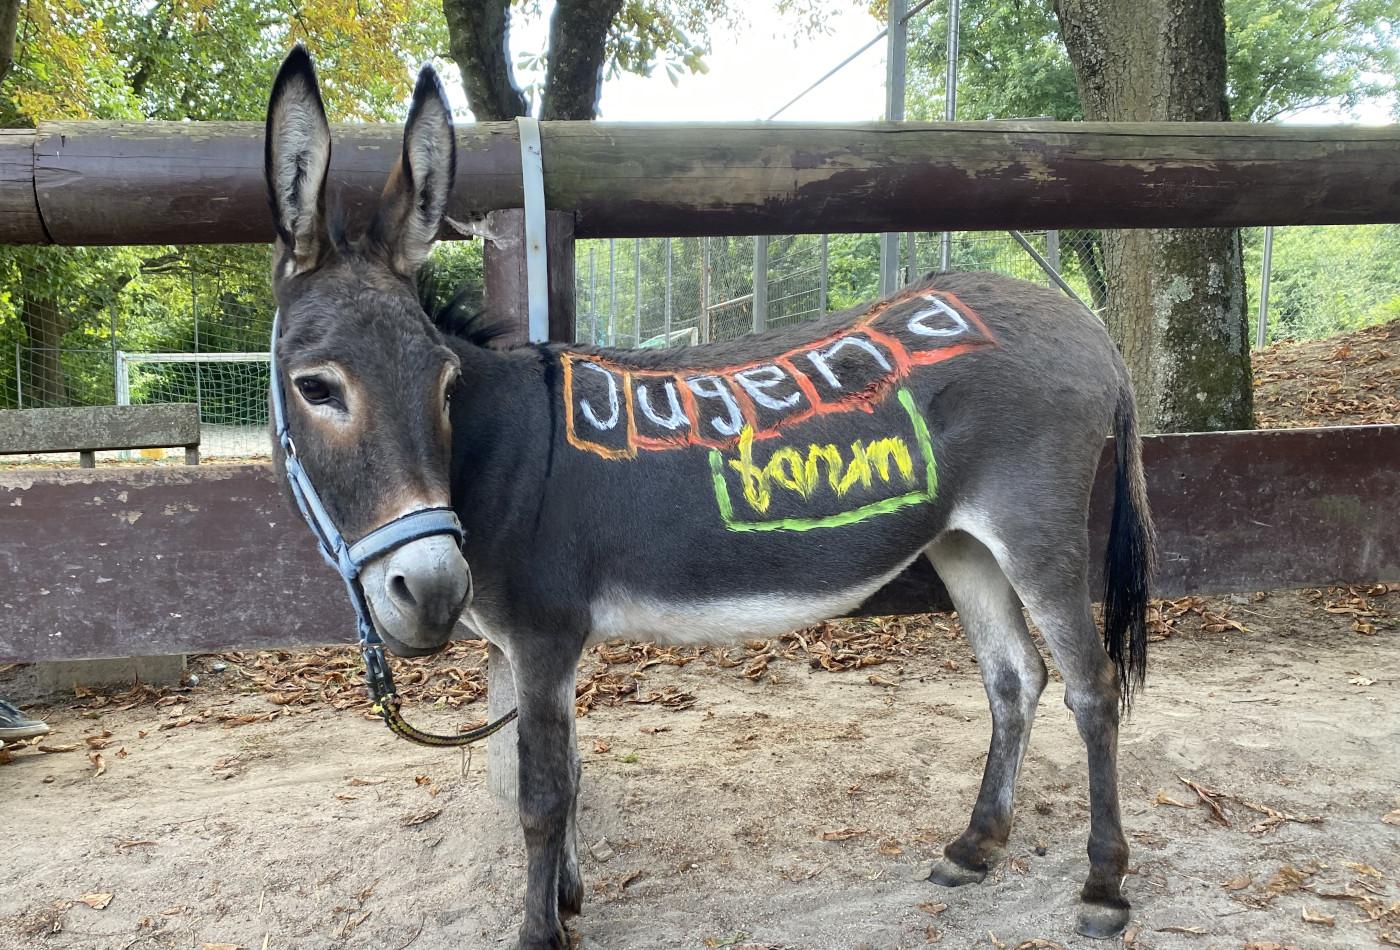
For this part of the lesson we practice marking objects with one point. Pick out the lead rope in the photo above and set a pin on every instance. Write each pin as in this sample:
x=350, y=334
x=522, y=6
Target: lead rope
x=386, y=703
x=347, y=560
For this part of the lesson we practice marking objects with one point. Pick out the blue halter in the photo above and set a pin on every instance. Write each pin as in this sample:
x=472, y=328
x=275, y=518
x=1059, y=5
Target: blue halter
x=349, y=559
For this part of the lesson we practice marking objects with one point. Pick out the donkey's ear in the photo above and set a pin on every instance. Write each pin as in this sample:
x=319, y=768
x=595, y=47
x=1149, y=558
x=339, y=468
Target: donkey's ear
x=297, y=154
x=415, y=197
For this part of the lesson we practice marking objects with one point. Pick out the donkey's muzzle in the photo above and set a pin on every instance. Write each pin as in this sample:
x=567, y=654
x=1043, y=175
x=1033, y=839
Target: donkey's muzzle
x=416, y=593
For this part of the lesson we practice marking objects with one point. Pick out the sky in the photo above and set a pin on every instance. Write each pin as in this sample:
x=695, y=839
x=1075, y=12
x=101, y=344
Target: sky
x=752, y=72
x=756, y=69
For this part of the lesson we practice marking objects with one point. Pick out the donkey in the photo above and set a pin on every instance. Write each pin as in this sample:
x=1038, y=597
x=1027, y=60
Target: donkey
x=722, y=491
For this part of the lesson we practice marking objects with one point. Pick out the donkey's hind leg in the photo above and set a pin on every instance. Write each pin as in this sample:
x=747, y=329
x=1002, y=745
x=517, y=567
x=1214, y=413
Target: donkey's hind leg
x=1061, y=608
x=1014, y=676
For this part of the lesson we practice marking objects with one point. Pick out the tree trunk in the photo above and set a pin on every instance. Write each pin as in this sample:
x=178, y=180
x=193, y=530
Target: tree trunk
x=578, y=34
x=9, y=27
x=478, y=34
x=1176, y=301
x=46, y=384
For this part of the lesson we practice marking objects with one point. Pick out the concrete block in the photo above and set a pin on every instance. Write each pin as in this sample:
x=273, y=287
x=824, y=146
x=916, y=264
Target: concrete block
x=60, y=676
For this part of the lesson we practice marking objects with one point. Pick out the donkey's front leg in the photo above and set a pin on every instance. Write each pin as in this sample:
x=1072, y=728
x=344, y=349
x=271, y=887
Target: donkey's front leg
x=548, y=784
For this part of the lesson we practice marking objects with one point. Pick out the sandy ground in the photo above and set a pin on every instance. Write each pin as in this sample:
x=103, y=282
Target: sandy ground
x=704, y=824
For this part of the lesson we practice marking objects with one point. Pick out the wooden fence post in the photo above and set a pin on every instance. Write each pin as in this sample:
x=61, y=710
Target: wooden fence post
x=505, y=299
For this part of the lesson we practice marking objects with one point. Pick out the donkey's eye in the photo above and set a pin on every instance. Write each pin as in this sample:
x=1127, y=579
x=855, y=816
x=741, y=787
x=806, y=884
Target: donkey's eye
x=314, y=390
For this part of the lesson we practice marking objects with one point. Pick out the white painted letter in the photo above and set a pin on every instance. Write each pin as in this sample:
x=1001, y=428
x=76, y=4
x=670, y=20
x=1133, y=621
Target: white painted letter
x=759, y=378
x=819, y=357
x=614, y=409
x=677, y=419
x=735, y=422
x=917, y=325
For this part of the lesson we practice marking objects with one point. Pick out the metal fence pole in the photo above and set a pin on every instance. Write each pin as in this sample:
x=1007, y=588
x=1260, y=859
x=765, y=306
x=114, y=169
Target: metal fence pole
x=950, y=112
x=666, y=317
x=1261, y=339
x=194, y=310
x=822, y=285
x=592, y=294
x=760, y=283
x=896, y=55
x=19, y=376
x=1052, y=250
x=704, y=290
x=637, y=292
x=612, y=283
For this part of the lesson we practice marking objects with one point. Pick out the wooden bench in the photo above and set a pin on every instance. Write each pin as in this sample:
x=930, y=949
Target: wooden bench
x=91, y=429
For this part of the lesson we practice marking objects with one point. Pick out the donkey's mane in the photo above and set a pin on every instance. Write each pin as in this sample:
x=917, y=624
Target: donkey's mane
x=460, y=317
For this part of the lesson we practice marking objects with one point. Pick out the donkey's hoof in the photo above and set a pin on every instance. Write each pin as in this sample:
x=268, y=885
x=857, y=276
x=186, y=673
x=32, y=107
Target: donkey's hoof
x=1101, y=921
x=544, y=940
x=951, y=874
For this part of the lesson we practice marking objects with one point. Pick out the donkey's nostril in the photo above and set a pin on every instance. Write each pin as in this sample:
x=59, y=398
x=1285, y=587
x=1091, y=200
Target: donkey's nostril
x=399, y=590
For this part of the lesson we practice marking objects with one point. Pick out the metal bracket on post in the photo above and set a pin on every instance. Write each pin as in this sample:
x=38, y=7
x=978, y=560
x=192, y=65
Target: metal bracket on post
x=536, y=255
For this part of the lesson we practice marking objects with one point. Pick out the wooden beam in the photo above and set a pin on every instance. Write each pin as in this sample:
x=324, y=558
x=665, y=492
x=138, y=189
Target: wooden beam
x=19, y=206
x=99, y=428
x=156, y=183
x=131, y=562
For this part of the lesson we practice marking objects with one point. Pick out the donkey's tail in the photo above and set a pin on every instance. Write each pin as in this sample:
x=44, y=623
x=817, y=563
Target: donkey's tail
x=1130, y=558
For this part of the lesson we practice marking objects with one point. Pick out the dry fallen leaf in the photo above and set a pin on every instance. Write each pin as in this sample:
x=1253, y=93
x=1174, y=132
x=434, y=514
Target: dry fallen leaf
x=96, y=901
x=1163, y=799
x=932, y=909
x=1239, y=882
x=601, y=746
x=1361, y=868
x=367, y=781
x=417, y=818
x=58, y=747
x=1392, y=818
x=422, y=780
x=1317, y=917
x=843, y=834
x=1193, y=931
x=98, y=765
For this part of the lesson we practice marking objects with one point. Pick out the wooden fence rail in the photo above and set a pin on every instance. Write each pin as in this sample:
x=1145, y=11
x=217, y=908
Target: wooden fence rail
x=202, y=182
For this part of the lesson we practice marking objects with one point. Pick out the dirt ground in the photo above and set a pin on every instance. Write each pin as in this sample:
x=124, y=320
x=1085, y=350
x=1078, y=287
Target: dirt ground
x=777, y=795
x=249, y=811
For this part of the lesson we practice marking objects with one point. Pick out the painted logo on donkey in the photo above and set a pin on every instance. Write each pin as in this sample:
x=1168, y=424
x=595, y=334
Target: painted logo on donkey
x=617, y=411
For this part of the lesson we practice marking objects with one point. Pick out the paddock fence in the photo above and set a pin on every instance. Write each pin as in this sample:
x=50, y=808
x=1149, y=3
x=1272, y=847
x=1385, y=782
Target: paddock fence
x=1284, y=507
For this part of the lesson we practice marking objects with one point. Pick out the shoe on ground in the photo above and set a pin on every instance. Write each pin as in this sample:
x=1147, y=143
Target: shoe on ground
x=16, y=725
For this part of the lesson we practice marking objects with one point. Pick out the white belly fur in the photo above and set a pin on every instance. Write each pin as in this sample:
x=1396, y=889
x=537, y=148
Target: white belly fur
x=620, y=614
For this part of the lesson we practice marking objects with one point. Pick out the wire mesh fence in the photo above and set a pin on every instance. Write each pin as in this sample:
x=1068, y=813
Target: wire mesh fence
x=102, y=326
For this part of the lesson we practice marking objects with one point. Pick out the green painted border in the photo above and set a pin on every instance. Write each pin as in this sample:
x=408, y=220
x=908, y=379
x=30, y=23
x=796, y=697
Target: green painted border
x=921, y=438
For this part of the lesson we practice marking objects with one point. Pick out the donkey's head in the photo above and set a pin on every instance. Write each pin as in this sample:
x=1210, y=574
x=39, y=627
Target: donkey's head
x=367, y=377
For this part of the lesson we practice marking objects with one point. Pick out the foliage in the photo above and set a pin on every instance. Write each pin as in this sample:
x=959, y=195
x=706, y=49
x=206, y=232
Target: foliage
x=1326, y=280
x=1284, y=56
x=1287, y=55
x=176, y=60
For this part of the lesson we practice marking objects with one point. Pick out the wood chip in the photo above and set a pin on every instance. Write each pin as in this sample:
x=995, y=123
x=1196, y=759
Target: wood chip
x=1317, y=917
x=97, y=901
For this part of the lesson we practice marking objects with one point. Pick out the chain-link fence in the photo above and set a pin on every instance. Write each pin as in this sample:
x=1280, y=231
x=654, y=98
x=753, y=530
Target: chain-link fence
x=101, y=326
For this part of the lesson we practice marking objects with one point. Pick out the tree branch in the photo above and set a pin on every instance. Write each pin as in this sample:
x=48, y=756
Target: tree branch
x=478, y=32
